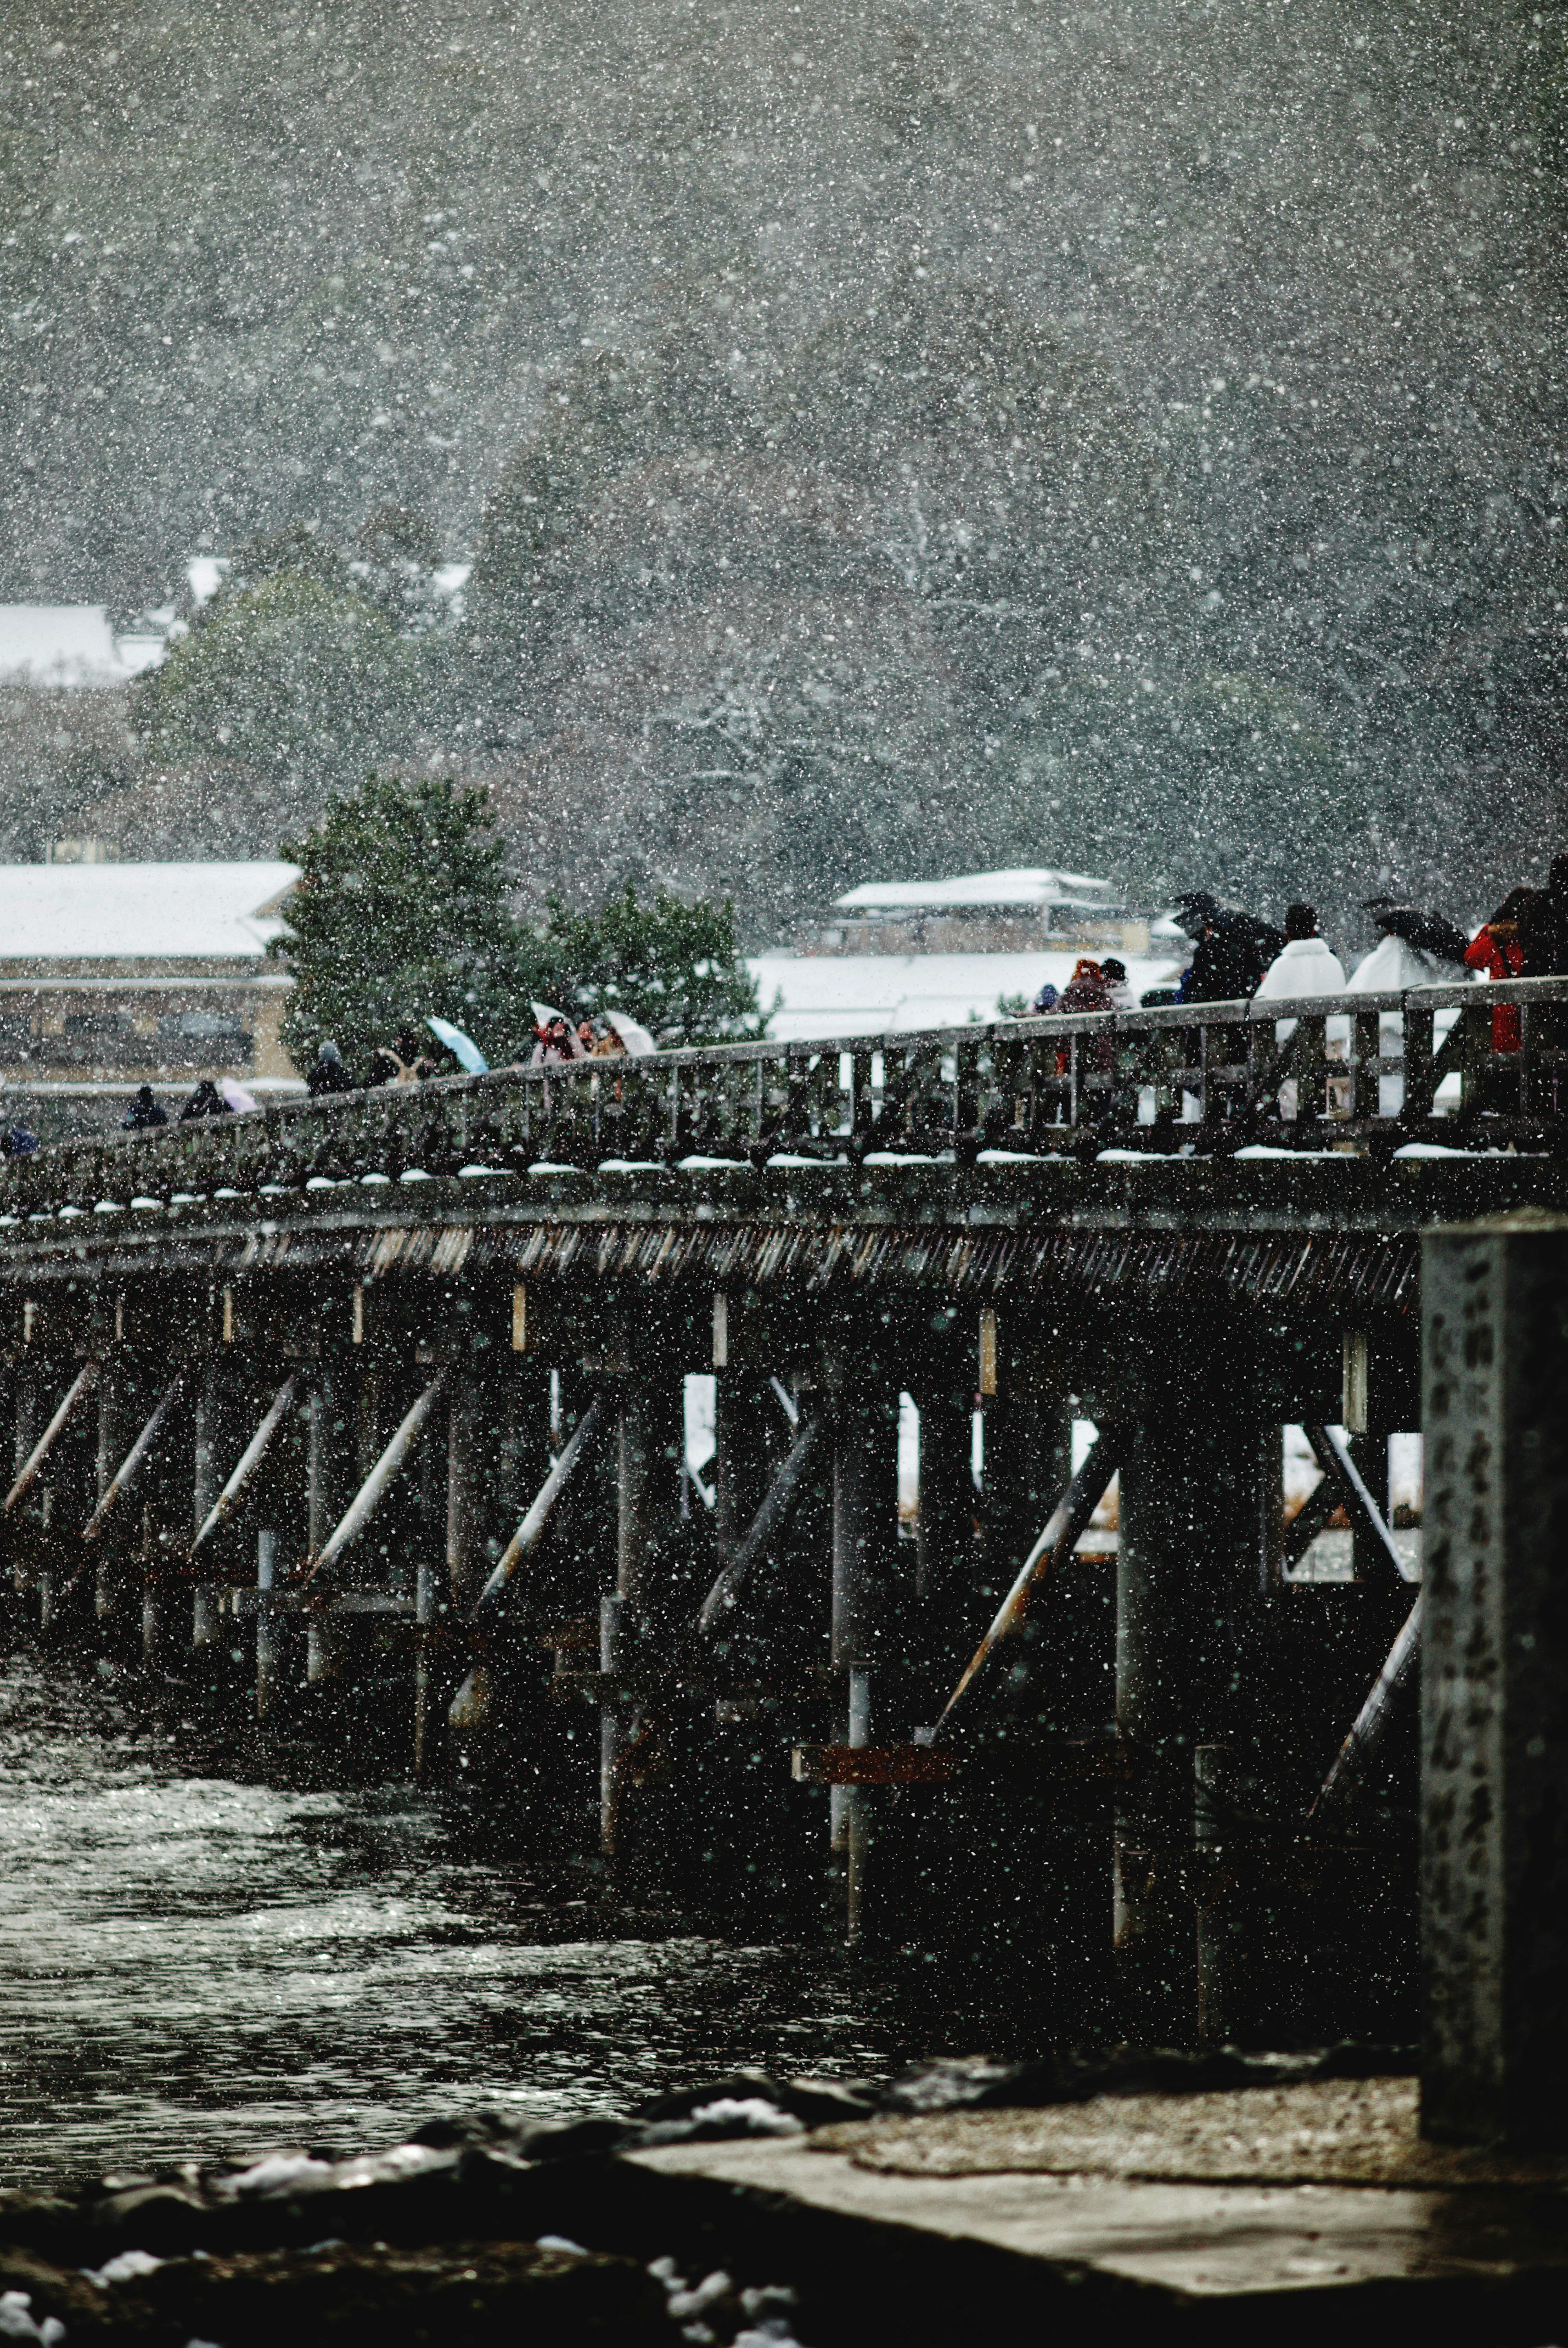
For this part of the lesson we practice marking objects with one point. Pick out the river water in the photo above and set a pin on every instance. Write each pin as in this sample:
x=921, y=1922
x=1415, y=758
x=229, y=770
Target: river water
x=192, y=1965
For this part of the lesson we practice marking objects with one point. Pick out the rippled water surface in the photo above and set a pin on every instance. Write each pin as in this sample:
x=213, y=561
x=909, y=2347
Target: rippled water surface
x=190, y=1965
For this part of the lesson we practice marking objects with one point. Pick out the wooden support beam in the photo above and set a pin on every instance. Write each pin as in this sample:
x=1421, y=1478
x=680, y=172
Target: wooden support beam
x=770, y=1519
x=871, y=1765
x=1068, y=1522
x=944, y=1515
x=1186, y=1578
x=651, y=1443
x=250, y=1459
x=376, y=1484
x=1357, y=1756
x=1334, y=1457
x=81, y=1385
x=530, y=1532
x=211, y=1399
x=271, y=1636
x=121, y=1480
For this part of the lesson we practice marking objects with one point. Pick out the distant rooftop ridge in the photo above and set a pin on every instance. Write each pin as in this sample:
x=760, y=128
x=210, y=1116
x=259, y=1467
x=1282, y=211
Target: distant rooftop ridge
x=1025, y=886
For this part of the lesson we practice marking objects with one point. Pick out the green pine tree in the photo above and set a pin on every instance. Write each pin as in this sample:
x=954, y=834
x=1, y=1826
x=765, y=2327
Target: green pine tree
x=401, y=911
x=672, y=966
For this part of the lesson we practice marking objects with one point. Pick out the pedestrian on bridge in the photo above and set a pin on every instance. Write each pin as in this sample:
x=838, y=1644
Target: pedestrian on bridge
x=329, y=1073
x=143, y=1112
x=1305, y=966
x=205, y=1101
x=1233, y=949
x=1514, y=943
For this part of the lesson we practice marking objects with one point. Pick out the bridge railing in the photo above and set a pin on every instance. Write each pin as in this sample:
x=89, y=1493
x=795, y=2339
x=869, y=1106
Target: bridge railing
x=1435, y=1062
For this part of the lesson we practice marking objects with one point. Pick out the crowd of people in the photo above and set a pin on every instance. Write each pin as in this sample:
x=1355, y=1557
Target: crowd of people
x=1237, y=957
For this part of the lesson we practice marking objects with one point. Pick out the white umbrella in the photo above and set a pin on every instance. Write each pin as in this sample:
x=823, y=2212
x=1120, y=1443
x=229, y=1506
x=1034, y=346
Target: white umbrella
x=631, y=1033
x=236, y=1095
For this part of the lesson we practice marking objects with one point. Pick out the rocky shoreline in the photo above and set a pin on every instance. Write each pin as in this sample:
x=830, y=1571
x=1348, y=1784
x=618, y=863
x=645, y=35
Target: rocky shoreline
x=471, y=2230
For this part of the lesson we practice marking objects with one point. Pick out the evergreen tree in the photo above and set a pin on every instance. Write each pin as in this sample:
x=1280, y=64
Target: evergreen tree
x=401, y=911
x=671, y=965
x=292, y=668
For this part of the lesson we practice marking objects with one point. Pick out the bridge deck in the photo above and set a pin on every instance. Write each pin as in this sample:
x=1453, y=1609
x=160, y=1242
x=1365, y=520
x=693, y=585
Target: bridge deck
x=1288, y=1232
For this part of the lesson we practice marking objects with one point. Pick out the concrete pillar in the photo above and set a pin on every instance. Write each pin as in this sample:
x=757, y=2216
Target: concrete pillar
x=1494, y=1686
x=330, y=1463
x=952, y=1612
x=1187, y=1577
x=865, y=1557
x=651, y=1441
x=116, y=1434
x=210, y=1462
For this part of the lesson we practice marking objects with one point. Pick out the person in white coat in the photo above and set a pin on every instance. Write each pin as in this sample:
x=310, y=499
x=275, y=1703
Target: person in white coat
x=1306, y=967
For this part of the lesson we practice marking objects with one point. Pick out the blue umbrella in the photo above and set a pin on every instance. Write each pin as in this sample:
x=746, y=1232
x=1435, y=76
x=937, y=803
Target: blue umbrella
x=468, y=1051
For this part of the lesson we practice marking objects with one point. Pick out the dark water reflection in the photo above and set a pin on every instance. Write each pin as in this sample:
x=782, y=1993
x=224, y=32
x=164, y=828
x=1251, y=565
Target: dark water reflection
x=192, y=1965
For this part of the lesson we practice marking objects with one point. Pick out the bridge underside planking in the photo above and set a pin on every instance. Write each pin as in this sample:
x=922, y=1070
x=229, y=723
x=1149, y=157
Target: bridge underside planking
x=398, y=1316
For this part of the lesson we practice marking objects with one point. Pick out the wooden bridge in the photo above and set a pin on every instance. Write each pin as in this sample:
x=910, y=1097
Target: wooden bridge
x=364, y=1417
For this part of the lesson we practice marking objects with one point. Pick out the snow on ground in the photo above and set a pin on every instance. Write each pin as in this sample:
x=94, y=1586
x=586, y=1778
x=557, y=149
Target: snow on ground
x=871, y=994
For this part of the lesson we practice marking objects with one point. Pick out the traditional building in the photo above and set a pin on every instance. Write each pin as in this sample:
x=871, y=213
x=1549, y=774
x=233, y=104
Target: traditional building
x=1026, y=910
x=113, y=976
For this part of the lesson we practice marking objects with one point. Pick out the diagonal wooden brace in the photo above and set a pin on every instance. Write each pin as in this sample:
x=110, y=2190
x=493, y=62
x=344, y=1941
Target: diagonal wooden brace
x=1069, y=1520
x=228, y=1499
x=376, y=1484
x=79, y=1388
x=777, y=1502
x=1333, y=1458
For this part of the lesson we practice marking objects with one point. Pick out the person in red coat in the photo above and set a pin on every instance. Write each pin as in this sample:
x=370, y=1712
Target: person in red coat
x=1496, y=950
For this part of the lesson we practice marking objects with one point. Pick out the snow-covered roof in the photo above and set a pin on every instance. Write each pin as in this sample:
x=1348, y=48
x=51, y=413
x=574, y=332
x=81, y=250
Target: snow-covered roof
x=140, y=912
x=873, y=994
x=70, y=644
x=1033, y=885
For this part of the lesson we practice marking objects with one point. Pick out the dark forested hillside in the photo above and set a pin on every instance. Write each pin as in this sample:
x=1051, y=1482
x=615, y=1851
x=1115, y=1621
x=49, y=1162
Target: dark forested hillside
x=889, y=438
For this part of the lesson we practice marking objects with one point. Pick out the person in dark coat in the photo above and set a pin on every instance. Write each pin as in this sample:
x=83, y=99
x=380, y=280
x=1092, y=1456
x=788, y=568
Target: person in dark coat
x=1233, y=950
x=205, y=1101
x=329, y=1074
x=143, y=1112
x=19, y=1142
